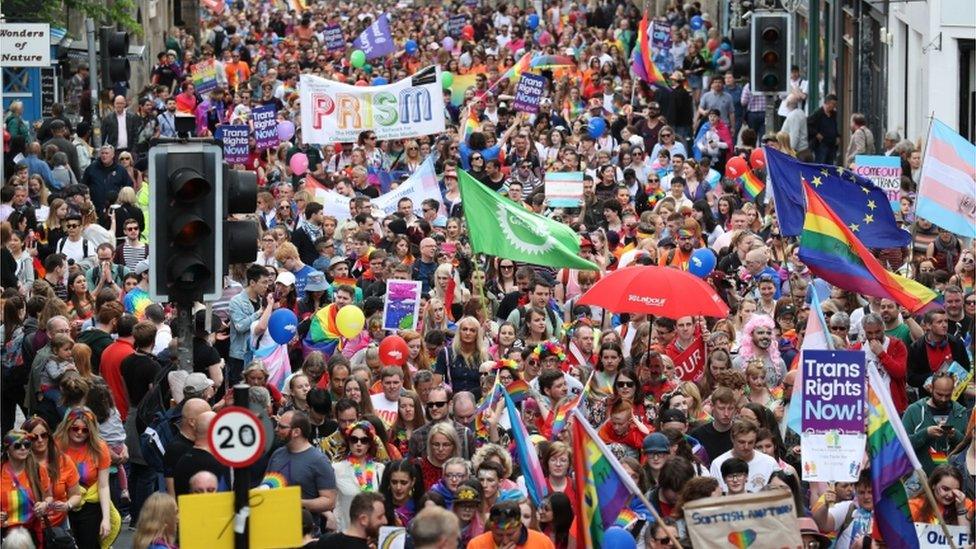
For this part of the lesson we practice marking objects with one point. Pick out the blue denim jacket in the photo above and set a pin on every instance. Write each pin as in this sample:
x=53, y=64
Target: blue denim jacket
x=242, y=315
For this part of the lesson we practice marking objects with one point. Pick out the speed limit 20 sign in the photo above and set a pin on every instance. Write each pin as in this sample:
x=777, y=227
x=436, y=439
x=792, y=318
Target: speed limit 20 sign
x=236, y=437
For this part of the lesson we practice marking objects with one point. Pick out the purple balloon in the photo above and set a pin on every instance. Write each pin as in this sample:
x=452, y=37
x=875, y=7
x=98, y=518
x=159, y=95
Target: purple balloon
x=286, y=130
x=448, y=43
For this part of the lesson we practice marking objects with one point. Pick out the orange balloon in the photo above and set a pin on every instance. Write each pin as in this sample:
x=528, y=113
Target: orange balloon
x=757, y=159
x=736, y=167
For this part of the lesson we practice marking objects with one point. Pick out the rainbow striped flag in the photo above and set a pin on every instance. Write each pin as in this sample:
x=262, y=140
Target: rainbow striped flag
x=470, y=124
x=535, y=481
x=518, y=390
x=323, y=334
x=541, y=62
x=20, y=507
x=523, y=65
x=834, y=254
x=642, y=61
x=562, y=412
x=751, y=184
x=892, y=458
x=947, y=190
x=460, y=85
x=604, y=488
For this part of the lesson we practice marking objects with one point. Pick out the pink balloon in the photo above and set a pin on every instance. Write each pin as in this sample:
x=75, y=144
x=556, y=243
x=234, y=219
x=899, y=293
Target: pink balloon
x=298, y=163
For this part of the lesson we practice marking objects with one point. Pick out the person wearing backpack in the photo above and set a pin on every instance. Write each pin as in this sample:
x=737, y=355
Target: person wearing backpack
x=74, y=246
x=539, y=296
x=183, y=438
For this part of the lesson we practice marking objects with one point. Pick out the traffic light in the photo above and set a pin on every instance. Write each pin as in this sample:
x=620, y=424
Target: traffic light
x=114, y=54
x=185, y=225
x=771, y=49
x=741, y=60
x=240, y=197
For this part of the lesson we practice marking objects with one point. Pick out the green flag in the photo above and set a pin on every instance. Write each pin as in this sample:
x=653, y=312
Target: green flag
x=497, y=226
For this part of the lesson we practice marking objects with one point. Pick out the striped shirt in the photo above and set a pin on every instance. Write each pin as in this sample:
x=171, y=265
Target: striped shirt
x=753, y=102
x=132, y=255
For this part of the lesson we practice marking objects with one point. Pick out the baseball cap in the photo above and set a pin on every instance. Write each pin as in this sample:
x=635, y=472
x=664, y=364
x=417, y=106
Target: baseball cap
x=286, y=278
x=336, y=261
x=142, y=266
x=196, y=383
x=656, y=443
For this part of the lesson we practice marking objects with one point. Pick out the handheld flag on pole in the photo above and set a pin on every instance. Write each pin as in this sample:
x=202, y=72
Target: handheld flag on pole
x=817, y=338
x=947, y=189
x=535, y=480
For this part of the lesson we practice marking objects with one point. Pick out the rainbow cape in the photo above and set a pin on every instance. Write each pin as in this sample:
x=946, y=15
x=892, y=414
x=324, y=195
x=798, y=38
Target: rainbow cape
x=535, y=481
x=834, y=254
x=323, y=334
x=604, y=488
x=642, y=61
x=892, y=458
x=751, y=184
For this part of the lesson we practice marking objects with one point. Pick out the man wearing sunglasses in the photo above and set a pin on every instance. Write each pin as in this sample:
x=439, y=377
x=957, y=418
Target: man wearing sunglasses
x=438, y=407
x=504, y=529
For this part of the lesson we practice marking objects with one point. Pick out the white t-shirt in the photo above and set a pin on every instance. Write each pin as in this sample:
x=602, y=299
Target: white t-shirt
x=386, y=410
x=760, y=467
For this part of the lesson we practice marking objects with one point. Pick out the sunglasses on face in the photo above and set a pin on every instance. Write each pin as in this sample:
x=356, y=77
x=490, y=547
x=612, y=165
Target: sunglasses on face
x=73, y=225
x=625, y=384
x=81, y=430
x=359, y=440
x=436, y=404
x=22, y=445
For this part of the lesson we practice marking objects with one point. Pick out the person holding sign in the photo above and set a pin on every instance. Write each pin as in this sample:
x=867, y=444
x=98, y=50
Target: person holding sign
x=849, y=520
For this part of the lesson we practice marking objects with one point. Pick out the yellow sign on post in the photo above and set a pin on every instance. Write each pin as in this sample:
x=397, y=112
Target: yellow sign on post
x=207, y=520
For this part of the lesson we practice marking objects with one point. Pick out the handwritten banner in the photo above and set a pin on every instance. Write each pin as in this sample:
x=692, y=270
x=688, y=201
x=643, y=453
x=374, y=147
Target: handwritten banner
x=764, y=519
x=528, y=93
x=265, y=127
x=832, y=417
x=884, y=172
x=235, y=143
x=334, y=39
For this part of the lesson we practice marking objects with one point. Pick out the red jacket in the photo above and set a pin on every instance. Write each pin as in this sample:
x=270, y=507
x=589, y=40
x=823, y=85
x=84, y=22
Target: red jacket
x=895, y=361
x=110, y=370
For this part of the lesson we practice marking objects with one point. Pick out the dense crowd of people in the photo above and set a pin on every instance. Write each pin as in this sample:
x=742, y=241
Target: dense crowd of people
x=90, y=361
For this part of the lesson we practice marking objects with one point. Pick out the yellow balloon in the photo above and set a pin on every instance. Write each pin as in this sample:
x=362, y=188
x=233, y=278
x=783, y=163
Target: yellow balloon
x=350, y=321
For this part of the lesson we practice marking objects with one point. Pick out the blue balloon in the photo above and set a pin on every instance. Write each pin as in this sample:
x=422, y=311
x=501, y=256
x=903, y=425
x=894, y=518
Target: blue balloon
x=618, y=538
x=533, y=21
x=596, y=127
x=380, y=81
x=726, y=46
x=283, y=326
x=411, y=46
x=702, y=262
x=697, y=22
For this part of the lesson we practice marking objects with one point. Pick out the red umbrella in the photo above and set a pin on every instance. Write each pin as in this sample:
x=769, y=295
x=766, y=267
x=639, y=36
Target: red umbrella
x=658, y=291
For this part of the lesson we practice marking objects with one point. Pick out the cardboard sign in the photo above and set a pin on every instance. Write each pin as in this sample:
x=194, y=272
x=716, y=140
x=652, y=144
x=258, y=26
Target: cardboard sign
x=832, y=416
x=334, y=39
x=884, y=172
x=763, y=519
x=528, y=93
x=401, y=308
x=235, y=143
x=931, y=536
x=206, y=520
x=564, y=189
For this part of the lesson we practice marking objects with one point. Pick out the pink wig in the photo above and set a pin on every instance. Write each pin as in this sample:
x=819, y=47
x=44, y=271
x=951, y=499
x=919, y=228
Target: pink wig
x=746, y=349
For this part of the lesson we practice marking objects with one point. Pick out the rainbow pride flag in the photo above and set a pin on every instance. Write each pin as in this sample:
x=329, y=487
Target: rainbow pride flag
x=561, y=414
x=642, y=61
x=323, y=334
x=834, y=254
x=535, y=481
x=20, y=507
x=515, y=71
x=751, y=184
x=541, y=62
x=518, y=390
x=892, y=458
x=604, y=488
x=470, y=124
x=460, y=85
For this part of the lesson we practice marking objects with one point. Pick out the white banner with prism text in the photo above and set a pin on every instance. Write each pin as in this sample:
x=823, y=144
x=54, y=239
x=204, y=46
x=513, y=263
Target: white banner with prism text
x=333, y=112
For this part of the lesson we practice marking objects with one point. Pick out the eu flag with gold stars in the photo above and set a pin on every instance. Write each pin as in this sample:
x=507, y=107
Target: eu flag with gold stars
x=861, y=205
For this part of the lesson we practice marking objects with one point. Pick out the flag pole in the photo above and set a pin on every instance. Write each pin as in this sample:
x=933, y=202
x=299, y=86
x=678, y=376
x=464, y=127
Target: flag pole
x=914, y=231
x=923, y=479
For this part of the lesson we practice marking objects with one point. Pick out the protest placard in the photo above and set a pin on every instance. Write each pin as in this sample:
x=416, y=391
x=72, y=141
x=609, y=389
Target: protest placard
x=392, y=537
x=402, y=305
x=275, y=520
x=265, y=127
x=931, y=536
x=832, y=416
x=235, y=143
x=661, y=36
x=455, y=25
x=528, y=93
x=205, y=76
x=377, y=40
x=884, y=172
x=334, y=39
x=764, y=519
x=564, y=189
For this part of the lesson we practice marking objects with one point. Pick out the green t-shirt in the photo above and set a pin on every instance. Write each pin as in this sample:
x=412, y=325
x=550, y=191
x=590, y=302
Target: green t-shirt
x=901, y=332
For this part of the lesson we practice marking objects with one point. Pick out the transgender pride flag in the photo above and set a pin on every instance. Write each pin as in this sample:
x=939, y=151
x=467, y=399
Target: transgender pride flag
x=947, y=189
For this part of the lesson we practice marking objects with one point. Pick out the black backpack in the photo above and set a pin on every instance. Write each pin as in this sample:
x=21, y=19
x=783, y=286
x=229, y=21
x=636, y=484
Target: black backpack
x=156, y=424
